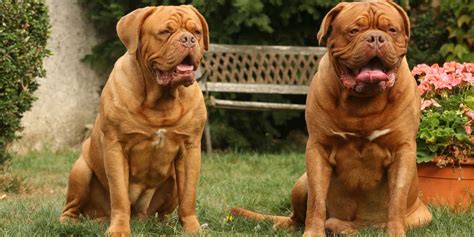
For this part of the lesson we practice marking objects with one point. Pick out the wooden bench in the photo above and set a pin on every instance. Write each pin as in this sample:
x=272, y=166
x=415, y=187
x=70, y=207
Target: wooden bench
x=256, y=70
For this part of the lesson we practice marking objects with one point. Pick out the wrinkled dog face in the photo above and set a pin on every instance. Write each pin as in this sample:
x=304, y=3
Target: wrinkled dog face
x=171, y=42
x=368, y=42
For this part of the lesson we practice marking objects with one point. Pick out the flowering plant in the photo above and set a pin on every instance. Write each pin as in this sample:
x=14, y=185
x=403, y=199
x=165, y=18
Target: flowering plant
x=447, y=112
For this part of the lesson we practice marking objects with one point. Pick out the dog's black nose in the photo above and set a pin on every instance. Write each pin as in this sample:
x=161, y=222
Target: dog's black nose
x=375, y=39
x=188, y=40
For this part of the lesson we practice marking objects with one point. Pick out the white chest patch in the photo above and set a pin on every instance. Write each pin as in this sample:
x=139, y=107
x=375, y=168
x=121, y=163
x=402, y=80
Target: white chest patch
x=374, y=135
x=345, y=134
x=378, y=133
x=160, y=138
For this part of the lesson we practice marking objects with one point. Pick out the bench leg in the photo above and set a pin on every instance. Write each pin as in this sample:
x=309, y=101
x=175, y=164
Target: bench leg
x=207, y=134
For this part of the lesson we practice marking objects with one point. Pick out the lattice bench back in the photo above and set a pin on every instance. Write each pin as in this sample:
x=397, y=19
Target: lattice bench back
x=247, y=69
x=261, y=64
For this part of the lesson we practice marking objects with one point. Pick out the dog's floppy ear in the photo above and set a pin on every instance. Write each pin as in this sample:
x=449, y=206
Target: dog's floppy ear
x=205, y=27
x=129, y=26
x=406, y=20
x=323, y=30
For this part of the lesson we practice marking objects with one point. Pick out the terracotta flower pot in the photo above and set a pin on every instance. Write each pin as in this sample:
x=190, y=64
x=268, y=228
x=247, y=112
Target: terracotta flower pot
x=447, y=186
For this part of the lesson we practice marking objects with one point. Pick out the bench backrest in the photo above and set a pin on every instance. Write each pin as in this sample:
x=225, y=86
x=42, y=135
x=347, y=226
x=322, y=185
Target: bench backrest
x=260, y=69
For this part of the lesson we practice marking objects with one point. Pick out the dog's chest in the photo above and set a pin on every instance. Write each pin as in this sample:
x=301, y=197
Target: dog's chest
x=151, y=160
x=360, y=162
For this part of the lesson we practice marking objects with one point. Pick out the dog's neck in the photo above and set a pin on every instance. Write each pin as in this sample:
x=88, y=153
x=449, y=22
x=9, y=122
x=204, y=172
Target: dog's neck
x=143, y=94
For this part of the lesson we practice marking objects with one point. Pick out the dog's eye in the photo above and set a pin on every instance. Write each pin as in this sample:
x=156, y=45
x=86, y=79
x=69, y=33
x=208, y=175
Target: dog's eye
x=197, y=32
x=354, y=31
x=392, y=30
x=165, y=32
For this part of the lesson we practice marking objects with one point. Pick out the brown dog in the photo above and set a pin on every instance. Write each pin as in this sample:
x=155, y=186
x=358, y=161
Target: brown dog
x=143, y=156
x=362, y=115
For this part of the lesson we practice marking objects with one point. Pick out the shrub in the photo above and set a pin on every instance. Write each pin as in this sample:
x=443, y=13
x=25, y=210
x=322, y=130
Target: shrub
x=428, y=35
x=24, y=29
x=461, y=30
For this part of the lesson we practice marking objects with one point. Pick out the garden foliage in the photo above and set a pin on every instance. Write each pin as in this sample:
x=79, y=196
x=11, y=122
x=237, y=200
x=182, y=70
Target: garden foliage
x=460, y=46
x=24, y=29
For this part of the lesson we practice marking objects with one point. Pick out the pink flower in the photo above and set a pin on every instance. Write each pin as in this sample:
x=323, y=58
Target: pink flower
x=468, y=129
x=432, y=78
x=470, y=114
x=435, y=69
x=420, y=69
x=443, y=79
x=428, y=103
x=440, y=81
x=424, y=87
x=467, y=77
x=450, y=80
x=450, y=66
x=425, y=104
x=469, y=67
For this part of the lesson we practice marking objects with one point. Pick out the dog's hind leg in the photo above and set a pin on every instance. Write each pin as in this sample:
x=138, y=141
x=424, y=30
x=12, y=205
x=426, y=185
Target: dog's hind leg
x=165, y=199
x=97, y=207
x=419, y=217
x=78, y=189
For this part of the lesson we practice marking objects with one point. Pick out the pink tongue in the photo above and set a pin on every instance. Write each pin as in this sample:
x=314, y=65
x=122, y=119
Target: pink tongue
x=184, y=68
x=370, y=76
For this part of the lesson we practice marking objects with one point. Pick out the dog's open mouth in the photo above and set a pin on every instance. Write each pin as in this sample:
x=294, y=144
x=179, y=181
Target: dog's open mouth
x=375, y=76
x=373, y=72
x=181, y=74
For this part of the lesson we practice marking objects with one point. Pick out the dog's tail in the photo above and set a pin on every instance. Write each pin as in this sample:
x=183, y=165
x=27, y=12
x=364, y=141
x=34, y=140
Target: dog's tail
x=278, y=221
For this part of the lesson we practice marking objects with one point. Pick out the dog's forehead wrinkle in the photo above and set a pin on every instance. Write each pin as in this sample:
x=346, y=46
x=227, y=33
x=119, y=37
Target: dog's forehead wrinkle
x=369, y=13
x=190, y=24
x=362, y=20
x=184, y=17
x=173, y=17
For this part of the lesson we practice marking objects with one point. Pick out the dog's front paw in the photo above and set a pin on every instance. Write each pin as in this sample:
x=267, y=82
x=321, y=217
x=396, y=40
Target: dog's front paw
x=309, y=233
x=118, y=232
x=66, y=219
x=190, y=224
x=395, y=229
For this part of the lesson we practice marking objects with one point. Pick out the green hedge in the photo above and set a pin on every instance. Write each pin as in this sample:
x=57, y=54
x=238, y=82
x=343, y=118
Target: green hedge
x=24, y=30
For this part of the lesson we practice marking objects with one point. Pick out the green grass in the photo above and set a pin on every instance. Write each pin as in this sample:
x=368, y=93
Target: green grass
x=258, y=182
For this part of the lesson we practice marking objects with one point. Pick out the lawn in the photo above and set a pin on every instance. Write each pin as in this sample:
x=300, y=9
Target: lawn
x=256, y=181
